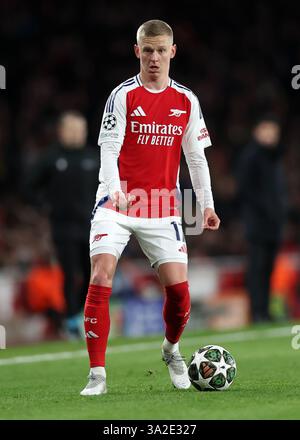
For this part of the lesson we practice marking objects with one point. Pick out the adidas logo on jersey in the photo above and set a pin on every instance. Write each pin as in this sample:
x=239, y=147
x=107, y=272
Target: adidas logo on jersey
x=138, y=112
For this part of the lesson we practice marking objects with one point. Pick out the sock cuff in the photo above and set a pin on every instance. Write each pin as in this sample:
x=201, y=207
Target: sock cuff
x=98, y=294
x=177, y=288
x=96, y=289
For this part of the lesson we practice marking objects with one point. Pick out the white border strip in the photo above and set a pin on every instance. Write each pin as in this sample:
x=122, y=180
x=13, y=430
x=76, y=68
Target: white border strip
x=216, y=339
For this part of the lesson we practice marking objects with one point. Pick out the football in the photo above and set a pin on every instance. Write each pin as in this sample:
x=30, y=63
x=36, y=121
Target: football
x=212, y=368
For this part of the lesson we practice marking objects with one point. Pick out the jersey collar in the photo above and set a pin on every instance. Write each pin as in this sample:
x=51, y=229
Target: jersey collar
x=139, y=81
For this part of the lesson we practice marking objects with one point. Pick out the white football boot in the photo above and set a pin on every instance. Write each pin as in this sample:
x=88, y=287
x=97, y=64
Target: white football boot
x=96, y=385
x=177, y=369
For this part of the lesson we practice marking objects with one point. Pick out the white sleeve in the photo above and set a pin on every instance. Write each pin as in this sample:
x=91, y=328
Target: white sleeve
x=196, y=134
x=200, y=177
x=109, y=166
x=195, y=140
x=113, y=123
x=111, y=138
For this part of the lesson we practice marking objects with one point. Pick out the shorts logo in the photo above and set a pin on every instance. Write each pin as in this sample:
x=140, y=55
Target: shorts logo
x=203, y=134
x=98, y=237
x=109, y=122
x=176, y=112
x=183, y=249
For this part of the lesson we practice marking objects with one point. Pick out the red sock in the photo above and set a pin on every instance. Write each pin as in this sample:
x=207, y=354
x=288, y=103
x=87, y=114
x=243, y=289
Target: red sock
x=97, y=323
x=176, y=311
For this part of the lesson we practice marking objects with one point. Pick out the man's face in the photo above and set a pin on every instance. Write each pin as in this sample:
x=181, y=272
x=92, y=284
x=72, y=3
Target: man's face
x=267, y=133
x=72, y=132
x=155, y=54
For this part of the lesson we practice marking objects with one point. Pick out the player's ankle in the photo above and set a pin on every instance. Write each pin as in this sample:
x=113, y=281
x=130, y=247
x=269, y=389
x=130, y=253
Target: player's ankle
x=169, y=346
x=99, y=370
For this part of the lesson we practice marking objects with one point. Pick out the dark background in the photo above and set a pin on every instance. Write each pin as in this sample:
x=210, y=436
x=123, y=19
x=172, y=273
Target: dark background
x=237, y=57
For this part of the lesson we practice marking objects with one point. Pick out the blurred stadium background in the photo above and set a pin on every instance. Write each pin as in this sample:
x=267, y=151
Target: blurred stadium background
x=63, y=55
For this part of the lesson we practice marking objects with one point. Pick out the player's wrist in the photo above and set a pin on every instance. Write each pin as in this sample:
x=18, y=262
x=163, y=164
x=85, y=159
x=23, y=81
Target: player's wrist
x=210, y=208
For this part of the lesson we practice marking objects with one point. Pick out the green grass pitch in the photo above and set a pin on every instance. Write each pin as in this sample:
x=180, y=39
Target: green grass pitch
x=267, y=385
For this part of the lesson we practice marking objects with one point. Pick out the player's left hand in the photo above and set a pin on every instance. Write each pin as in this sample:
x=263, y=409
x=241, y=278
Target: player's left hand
x=210, y=220
x=122, y=201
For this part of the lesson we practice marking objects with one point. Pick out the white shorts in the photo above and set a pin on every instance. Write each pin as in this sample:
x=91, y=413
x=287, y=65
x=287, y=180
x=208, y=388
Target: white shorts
x=161, y=239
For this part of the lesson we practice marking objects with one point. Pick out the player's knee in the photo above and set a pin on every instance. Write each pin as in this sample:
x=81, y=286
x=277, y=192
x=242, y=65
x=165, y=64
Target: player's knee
x=102, y=271
x=101, y=277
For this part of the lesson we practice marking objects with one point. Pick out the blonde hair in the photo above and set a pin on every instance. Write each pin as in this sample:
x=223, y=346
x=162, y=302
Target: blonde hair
x=154, y=28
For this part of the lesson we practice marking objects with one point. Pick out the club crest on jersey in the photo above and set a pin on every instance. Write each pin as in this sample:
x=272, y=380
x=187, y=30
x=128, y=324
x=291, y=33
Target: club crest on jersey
x=176, y=112
x=109, y=121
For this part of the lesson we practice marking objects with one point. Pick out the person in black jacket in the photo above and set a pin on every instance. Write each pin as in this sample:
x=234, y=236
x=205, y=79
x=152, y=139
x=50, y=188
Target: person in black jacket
x=66, y=177
x=262, y=196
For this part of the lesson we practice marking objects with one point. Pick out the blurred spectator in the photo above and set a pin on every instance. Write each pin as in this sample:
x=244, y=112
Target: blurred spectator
x=43, y=292
x=263, y=199
x=66, y=178
x=284, y=283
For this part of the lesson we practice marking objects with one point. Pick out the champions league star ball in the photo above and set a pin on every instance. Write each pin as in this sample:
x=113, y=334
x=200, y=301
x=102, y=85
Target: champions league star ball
x=212, y=368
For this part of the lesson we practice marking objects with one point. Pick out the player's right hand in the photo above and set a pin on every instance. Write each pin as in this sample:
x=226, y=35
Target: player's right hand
x=122, y=201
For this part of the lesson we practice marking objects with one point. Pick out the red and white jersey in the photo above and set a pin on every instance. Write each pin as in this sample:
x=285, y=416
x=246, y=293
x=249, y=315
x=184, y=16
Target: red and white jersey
x=151, y=127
